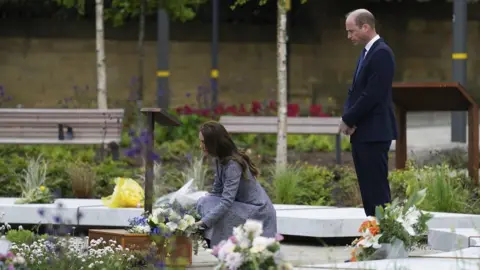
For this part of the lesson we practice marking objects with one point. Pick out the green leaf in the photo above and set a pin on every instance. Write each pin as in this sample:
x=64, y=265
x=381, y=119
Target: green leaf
x=415, y=199
x=379, y=212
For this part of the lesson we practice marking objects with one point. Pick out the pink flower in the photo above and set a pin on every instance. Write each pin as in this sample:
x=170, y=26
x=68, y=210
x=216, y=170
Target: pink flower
x=233, y=239
x=217, y=248
x=279, y=237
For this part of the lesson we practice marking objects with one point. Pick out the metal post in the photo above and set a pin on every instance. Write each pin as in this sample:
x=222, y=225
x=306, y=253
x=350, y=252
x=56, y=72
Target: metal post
x=214, y=72
x=459, y=65
x=163, y=72
x=149, y=174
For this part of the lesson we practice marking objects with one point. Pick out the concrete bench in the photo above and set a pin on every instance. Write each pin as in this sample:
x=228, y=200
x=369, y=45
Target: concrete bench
x=60, y=126
x=295, y=125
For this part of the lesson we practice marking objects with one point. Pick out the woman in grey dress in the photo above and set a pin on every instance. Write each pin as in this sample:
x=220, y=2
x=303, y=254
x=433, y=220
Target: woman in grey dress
x=236, y=195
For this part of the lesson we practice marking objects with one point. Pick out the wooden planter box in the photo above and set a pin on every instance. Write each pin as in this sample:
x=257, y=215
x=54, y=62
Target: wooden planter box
x=177, y=252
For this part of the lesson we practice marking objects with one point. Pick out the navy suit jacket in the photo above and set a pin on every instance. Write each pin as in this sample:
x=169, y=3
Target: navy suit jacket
x=369, y=104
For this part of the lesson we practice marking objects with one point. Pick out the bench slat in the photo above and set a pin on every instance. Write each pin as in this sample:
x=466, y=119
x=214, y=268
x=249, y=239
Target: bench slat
x=40, y=126
x=59, y=121
x=268, y=124
x=272, y=120
x=59, y=111
x=267, y=129
x=49, y=130
x=55, y=134
x=54, y=141
x=37, y=125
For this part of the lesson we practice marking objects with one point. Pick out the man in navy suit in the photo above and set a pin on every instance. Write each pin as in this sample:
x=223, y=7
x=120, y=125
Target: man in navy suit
x=368, y=115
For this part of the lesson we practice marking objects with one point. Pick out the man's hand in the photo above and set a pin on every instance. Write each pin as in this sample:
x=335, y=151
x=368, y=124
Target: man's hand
x=350, y=131
x=346, y=130
x=343, y=128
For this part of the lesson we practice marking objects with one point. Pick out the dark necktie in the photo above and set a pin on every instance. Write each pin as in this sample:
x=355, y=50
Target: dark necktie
x=360, y=62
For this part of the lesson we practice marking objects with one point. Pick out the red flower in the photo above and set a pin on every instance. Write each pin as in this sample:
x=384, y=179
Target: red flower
x=256, y=107
x=219, y=109
x=187, y=110
x=242, y=110
x=293, y=110
x=272, y=105
x=316, y=110
x=232, y=109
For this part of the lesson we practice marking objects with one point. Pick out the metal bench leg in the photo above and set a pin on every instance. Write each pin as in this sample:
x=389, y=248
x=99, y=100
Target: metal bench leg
x=338, y=148
x=115, y=150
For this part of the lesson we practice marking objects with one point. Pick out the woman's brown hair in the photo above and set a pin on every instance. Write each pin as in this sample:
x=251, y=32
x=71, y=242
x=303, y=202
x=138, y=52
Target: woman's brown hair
x=219, y=144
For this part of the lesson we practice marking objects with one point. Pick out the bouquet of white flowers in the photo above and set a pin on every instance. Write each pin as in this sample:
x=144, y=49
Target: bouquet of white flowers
x=247, y=249
x=169, y=220
x=393, y=232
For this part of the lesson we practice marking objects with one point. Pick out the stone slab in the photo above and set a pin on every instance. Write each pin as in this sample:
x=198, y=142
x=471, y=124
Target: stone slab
x=410, y=264
x=309, y=221
x=344, y=222
x=464, y=253
x=453, y=239
x=462, y=259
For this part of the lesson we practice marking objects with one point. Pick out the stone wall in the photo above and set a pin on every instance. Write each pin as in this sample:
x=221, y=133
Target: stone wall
x=38, y=69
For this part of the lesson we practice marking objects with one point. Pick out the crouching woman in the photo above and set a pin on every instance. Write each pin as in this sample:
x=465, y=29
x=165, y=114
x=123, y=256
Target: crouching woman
x=236, y=195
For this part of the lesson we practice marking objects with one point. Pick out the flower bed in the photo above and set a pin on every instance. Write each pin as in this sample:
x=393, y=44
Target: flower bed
x=11, y=261
x=394, y=231
x=72, y=253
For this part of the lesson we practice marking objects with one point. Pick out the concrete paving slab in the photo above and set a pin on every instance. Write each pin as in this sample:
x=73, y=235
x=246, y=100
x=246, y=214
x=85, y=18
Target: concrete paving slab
x=453, y=239
x=292, y=220
x=403, y=264
x=298, y=255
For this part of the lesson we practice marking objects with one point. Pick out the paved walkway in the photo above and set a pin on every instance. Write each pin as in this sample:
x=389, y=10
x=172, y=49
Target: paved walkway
x=298, y=255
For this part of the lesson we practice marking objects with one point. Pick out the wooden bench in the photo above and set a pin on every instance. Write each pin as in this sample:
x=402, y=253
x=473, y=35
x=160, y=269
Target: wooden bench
x=295, y=125
x=61, y=126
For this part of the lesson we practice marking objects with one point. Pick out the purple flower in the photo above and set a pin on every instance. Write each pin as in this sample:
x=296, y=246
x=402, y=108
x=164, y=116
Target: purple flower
x=155, y=231
x=57, y=219
x=188, y=157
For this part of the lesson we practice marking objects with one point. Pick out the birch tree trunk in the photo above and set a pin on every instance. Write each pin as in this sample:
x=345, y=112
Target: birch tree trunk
x=101, y=63
x=281, y=160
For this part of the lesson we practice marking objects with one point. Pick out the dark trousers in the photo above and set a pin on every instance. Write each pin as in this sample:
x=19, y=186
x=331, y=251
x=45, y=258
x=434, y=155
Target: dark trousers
x=208, y=243
x=371, y=166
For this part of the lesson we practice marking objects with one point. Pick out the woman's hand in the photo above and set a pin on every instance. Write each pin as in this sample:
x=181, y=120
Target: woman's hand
x=199, y=223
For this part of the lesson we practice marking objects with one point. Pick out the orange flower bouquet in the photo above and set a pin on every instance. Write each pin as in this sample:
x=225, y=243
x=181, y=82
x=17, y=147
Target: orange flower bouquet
x=368, y=243
x=393, y=232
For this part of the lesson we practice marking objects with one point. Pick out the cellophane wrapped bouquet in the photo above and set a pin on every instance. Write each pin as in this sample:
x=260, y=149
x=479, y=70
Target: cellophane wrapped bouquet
x=393, y=232
x=169, y=220
x=246, y=249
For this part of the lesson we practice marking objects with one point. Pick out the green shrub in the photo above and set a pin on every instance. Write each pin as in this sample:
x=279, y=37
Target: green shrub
x=346, y=192
x=300, y=184
x=448, y=190
x=21, y=236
